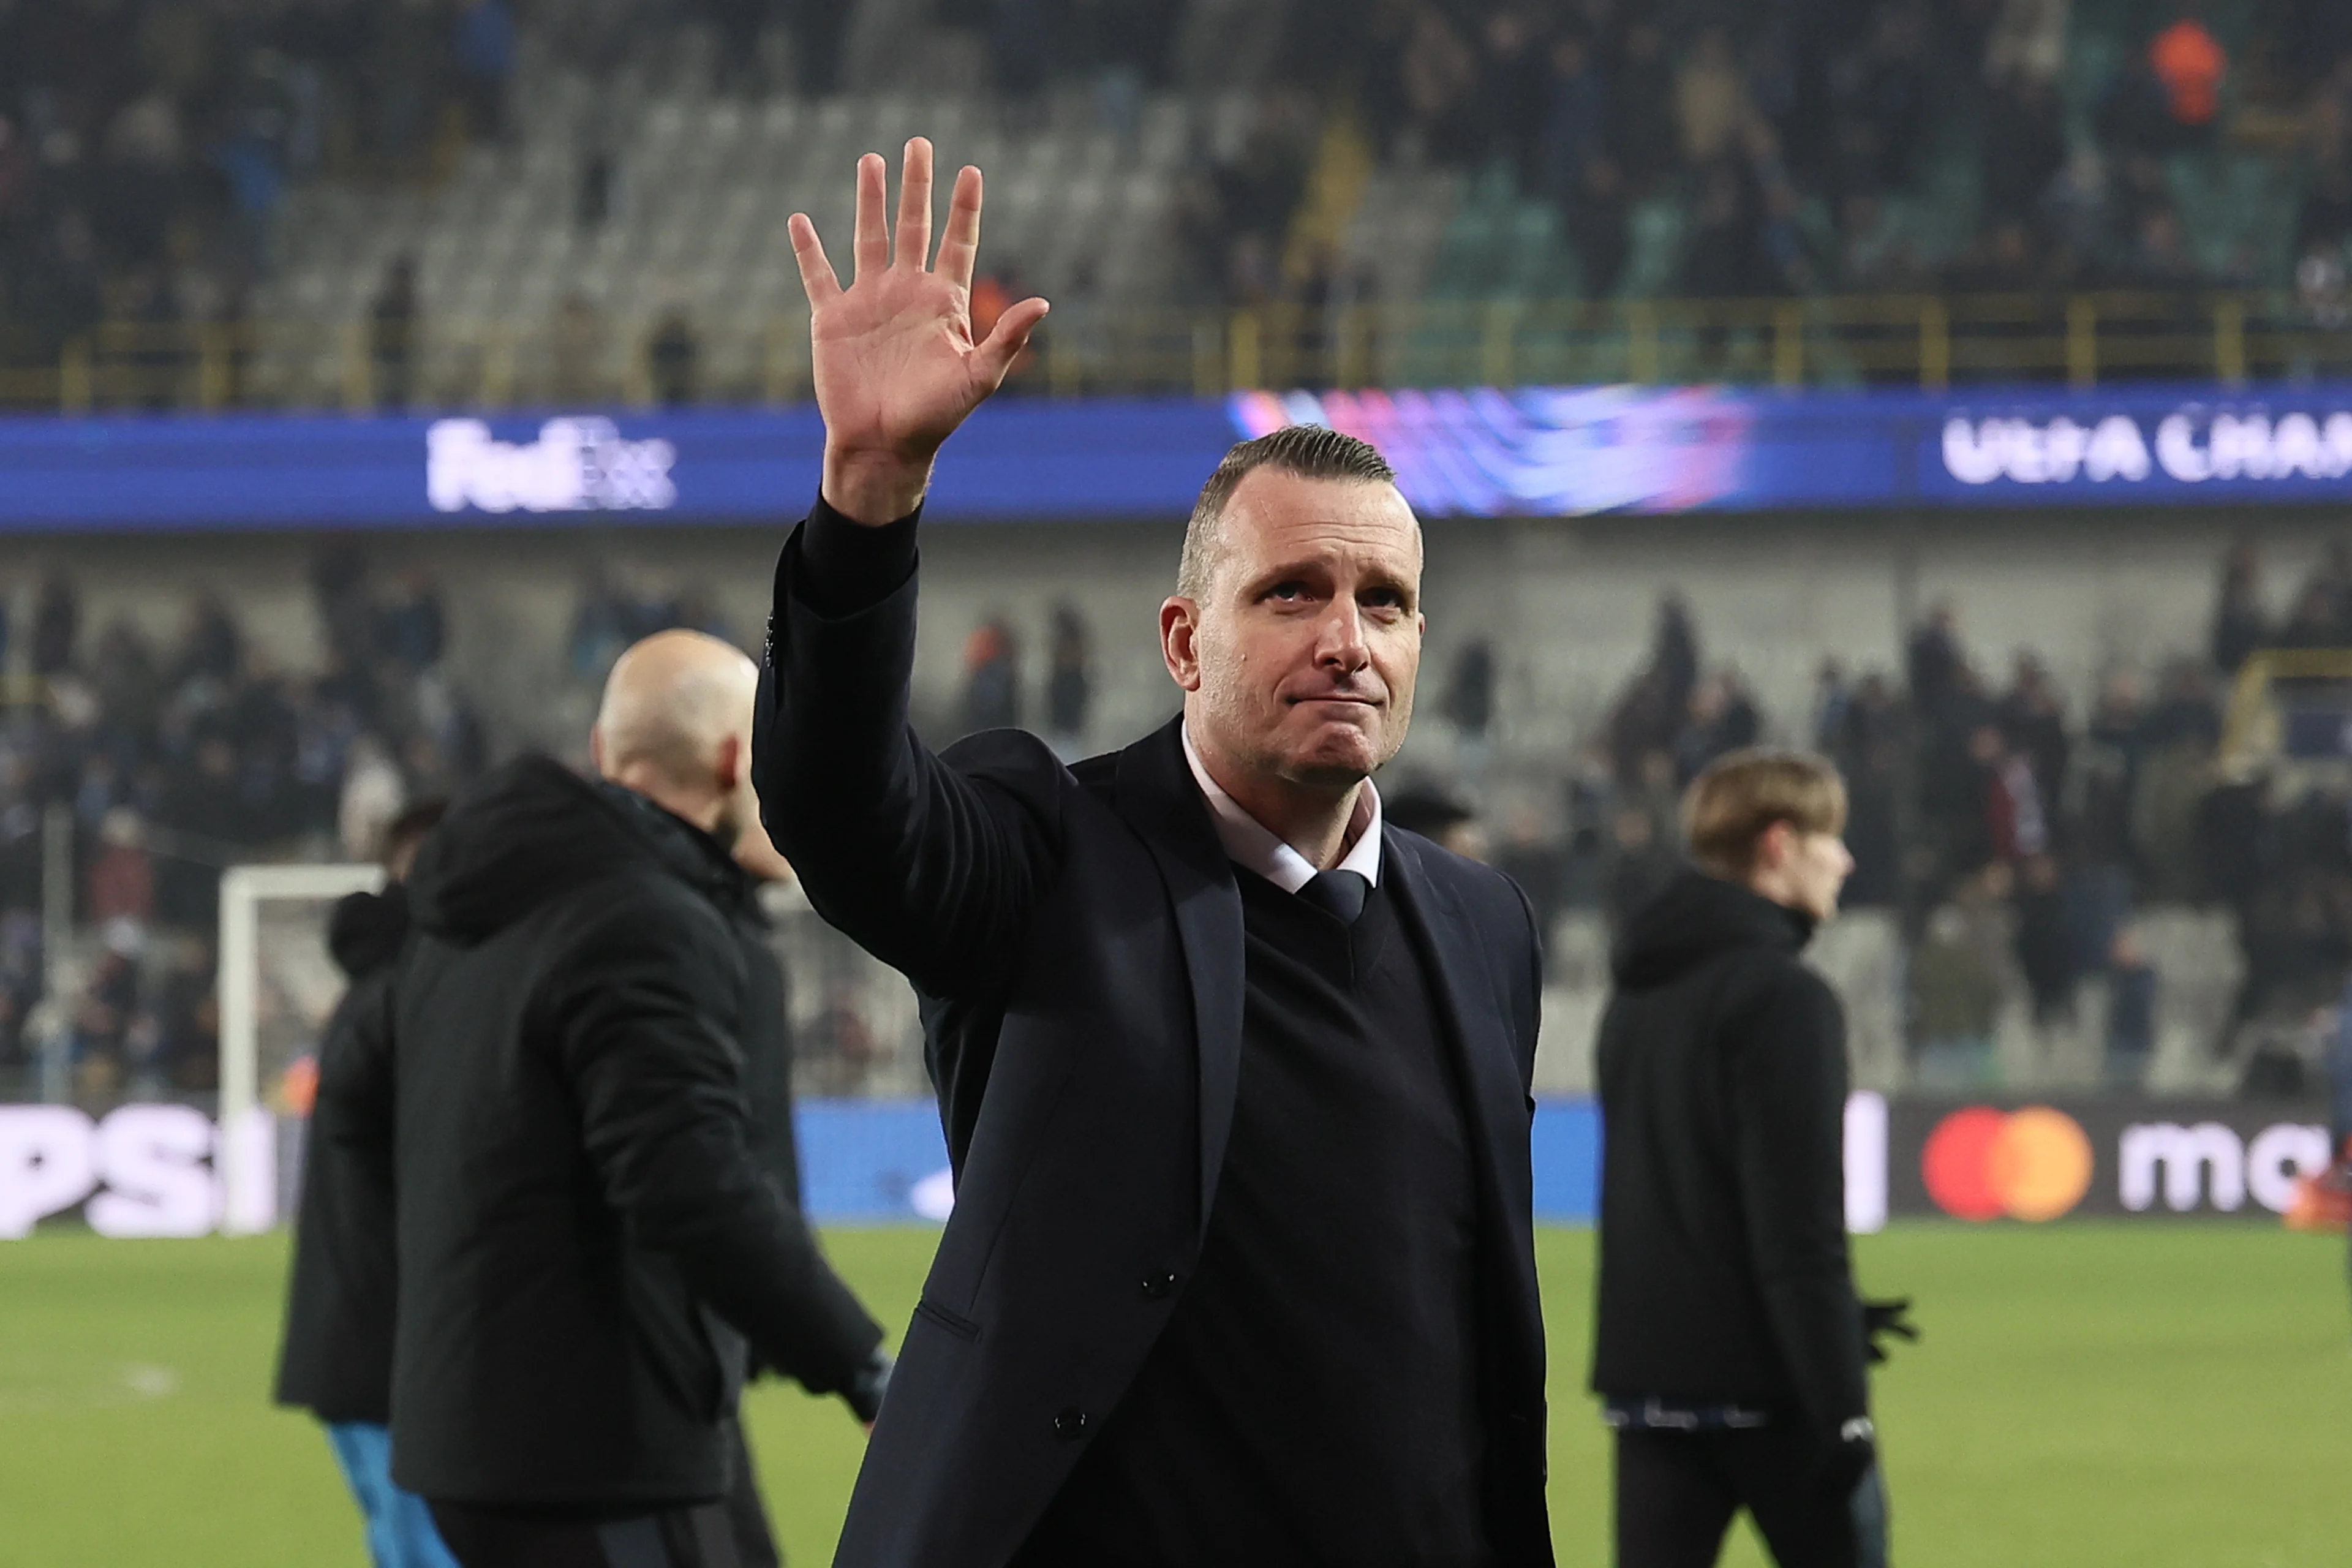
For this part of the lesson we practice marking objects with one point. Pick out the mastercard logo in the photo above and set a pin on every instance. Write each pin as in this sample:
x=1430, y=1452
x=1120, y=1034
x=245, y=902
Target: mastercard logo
x=2030, y=1165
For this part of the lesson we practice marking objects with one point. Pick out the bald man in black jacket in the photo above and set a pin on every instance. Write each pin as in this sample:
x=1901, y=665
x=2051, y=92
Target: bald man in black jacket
x=589, y=1230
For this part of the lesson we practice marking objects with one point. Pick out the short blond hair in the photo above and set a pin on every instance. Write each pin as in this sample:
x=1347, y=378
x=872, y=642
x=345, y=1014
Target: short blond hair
x=1737, y=799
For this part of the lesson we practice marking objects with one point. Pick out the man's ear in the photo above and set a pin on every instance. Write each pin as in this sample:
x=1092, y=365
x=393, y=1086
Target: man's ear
x=1774, y=846
x=596, y=749
x=732, y=764
x=1180, y=630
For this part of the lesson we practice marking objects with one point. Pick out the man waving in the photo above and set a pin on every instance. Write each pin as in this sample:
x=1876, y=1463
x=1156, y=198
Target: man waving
x=1234, y=1075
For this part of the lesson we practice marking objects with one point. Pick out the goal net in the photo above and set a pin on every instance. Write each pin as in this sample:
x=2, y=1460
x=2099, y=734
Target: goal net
x=279, y=983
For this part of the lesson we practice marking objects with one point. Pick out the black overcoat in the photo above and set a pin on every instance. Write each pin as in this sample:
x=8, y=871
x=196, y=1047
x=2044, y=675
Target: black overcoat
x=335, y=1360
x=589, y=1230
x=1076, y=937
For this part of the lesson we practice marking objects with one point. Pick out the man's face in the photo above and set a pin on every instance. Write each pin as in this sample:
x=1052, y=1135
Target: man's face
x=1301, y=656
x=1817, y=866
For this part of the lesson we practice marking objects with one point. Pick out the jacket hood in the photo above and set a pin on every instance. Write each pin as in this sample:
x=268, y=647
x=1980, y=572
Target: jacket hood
x=1697, y=918
x=533, y=830
x=366, y=930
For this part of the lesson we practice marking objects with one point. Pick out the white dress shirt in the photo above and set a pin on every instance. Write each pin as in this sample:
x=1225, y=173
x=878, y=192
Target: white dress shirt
x=1253, y=846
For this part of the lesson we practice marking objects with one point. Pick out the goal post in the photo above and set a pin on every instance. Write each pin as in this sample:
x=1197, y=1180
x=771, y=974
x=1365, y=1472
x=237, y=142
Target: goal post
x=243, y=1159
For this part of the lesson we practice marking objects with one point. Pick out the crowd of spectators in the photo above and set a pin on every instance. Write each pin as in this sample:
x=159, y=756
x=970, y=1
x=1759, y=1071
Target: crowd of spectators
x=1808, y=146
x=2015, y=842
x=145, y=144
x=1792, y=136
x=2010, y=837
x=167, y=763
x=992, y=685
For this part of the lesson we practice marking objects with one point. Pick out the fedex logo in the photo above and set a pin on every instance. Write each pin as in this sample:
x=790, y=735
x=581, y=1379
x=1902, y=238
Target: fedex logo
x=575, y=464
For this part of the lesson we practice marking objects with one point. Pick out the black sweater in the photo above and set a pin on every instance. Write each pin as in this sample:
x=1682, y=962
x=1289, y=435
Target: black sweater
x=1724, y=1272
x=1315, y=1396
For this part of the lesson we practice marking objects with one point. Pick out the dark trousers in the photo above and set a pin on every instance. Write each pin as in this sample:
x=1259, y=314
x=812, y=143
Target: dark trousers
x=1678, y=1491
x=730, y=1534
x=695, y=1537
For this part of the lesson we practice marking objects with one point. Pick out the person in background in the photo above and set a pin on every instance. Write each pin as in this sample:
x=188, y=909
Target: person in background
x=1638, y=864
x=484, y=48
x=671, y=356
x=2241, y=626
x=1730, y=1348
x=335, y=1359
x=992, y=678
x=2190, y=65
x=2324, y=1201
x=591, y=1233
x=392, y=333
x=1444, y=821
x=2132, y=983
x=1069, y=683
x=769, y=1051
x=2339, y=1081
x=1470, y=693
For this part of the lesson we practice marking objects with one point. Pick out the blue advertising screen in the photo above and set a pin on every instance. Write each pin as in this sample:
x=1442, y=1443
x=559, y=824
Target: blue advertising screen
x=867, y=1161
x=1014, y=461
x=1525, y=452
x=1568, y=451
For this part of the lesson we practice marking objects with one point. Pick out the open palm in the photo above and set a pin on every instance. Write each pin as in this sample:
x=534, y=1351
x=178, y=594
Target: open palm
x=896, y=366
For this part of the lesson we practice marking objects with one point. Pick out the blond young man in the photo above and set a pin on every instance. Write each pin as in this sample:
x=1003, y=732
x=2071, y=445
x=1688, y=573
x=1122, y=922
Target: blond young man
x=1730, y=1346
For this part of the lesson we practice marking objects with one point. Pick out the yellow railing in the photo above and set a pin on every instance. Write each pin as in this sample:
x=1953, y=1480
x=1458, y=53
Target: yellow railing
x=1087, y=350
x=2252, y=727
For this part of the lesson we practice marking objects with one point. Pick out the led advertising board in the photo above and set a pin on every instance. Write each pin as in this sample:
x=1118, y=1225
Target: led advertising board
x=2110, y=1158
x=1570, y=452
x=148, y=1170
x=1015, y=459
x=1478, y=452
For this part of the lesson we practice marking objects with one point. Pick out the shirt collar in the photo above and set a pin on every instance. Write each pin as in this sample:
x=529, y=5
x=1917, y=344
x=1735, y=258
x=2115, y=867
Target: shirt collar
x=1251, y=845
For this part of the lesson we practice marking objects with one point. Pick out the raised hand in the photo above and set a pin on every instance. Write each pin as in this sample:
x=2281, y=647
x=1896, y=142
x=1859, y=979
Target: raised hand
x=896, y=368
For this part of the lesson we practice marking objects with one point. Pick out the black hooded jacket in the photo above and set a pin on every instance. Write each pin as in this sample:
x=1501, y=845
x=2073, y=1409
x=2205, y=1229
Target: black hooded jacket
x=1724, y=1272
x=587, y=1232
x=336, y=1359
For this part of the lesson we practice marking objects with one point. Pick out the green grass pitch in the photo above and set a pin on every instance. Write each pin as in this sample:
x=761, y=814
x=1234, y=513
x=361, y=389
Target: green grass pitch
x=2151, y=1394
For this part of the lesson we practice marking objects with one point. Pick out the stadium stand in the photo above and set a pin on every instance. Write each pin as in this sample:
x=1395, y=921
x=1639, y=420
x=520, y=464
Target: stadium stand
x=2052, y=892
x=585, y=198
x=494, y=203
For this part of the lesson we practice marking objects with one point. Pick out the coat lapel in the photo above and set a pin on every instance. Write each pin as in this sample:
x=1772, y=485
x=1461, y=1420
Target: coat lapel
x=1158, y=797
x=1466, y=1000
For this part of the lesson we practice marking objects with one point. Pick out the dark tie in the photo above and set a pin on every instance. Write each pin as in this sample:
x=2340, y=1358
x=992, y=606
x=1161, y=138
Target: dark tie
x=1341, y=893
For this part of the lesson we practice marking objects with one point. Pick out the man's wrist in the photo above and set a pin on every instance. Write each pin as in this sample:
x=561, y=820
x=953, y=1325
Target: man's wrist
x=874, y=490
x=846, y=568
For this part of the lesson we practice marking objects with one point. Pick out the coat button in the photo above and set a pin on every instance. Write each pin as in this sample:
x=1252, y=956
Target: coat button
x=1158, y=1284
x=1070, y=1422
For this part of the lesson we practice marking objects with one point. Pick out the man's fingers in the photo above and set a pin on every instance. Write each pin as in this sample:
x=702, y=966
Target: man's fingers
x=1005, y=344
x=873, y=244
x=960, y=245
x=817, y=273
x=915, y=206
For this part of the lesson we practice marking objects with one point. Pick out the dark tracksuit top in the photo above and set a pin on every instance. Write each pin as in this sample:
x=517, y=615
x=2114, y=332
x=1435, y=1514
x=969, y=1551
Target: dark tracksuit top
x=1724, y=1273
